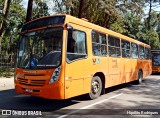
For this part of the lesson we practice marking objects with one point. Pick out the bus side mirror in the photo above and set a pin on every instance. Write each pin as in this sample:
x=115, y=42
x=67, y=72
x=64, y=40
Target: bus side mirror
x=69, y=27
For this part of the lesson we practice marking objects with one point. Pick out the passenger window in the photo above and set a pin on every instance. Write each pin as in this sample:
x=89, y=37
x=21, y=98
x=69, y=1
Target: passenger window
x=141, y=52
x=125, y=49
x=114, y=46
x=134, y=52
x=147, y=53
x=76, y=45
x=99, y=45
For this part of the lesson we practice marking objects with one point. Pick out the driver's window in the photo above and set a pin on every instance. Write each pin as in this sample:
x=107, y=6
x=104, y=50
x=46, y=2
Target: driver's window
x=76, y=45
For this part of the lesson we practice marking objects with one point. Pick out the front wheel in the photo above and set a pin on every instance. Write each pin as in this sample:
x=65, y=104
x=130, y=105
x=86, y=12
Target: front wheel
x=96, y=88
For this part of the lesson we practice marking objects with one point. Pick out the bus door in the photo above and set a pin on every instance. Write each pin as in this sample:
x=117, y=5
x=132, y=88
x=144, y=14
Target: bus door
x=76, y=63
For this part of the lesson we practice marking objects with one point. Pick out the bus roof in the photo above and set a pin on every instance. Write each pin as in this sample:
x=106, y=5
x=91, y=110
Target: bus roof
x=85, y=23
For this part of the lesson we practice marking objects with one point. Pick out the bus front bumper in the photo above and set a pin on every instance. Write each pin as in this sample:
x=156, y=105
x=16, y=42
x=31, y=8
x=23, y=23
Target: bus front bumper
x=51, y=91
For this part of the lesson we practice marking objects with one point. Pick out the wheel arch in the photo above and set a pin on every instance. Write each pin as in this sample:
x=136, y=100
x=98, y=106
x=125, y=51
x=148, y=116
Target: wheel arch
x=141, y=71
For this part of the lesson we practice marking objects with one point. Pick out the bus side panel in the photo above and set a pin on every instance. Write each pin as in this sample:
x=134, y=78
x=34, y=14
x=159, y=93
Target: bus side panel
x=134, y=69
x=126, y=70
x=150, y=67
x=114, y=71
x=146, y=68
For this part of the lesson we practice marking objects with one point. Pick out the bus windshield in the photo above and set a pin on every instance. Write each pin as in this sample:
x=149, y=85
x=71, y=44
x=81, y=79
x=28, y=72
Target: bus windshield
x=156, y=58
x=40, y=49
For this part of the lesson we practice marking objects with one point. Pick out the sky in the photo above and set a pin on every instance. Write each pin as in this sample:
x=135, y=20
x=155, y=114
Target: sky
x=25, y=3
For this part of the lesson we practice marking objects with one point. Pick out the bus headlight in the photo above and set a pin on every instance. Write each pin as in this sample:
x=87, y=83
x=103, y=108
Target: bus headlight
x=55, y=75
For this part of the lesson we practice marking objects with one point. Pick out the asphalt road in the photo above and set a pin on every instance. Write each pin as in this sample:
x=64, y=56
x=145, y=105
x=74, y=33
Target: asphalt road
x=118, y=102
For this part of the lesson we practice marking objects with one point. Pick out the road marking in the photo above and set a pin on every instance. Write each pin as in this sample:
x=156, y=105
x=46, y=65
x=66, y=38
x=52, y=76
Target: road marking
x=90, y=105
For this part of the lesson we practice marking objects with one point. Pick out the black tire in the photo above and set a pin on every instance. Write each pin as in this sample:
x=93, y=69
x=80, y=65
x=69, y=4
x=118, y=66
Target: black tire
x=96, y=88
x=140, y=77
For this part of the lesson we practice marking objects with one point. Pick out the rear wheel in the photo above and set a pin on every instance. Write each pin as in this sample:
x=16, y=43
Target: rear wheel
x=96, y=88
x=140, y=77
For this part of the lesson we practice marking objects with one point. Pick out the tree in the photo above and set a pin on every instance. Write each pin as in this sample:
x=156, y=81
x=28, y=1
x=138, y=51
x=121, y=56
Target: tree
x=14, y=22
x=40, y=9
x=62, y=6
x=29, y=10
x=81, y=4
x=123, y=16
x=5, y=11
x=151, y=3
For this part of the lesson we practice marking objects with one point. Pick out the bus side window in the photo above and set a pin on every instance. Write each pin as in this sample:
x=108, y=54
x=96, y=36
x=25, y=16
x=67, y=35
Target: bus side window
x=99, y=44
x=134, y=48
x=125, y=49
x=114, y=46
x=147, y=53
x=141, y=52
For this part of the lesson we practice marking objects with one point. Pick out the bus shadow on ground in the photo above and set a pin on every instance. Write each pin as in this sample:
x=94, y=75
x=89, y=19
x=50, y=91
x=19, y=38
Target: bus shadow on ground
x=10, y=100
x=156, y=74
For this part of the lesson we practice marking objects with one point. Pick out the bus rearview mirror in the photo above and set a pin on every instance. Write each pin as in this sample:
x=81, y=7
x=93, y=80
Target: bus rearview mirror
x=69, y=26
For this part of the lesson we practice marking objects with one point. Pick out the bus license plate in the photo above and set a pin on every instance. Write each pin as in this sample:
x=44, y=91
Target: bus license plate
x=28, y=90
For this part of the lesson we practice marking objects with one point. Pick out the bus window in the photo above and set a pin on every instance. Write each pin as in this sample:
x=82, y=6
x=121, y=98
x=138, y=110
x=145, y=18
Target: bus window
x=156, y=59
x=125, y=49
x=147, y=53
x=134, y=51
x=114, y=46
x=76, y=45
x=141, y=52
x=99, y=45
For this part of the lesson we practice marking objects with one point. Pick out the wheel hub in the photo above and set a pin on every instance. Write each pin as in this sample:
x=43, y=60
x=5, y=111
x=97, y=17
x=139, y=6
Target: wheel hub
x=95, y=87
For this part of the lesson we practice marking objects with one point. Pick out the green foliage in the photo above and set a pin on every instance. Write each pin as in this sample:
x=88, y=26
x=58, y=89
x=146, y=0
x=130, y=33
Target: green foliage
x=40, y=9
x=152, y=36
x=132, y=25
x=118, y=27
x=14, y=24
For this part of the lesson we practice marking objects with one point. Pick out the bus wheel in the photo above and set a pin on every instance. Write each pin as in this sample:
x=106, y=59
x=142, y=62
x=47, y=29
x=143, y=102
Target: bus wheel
x=139, y=81
x=96, y=88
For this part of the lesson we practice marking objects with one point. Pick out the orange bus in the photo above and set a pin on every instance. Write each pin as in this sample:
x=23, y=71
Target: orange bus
x=155, y=61
x=61, y=56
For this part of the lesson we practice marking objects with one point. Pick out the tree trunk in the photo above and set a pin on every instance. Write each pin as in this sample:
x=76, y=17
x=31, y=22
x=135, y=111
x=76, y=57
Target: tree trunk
x=5, y=15
x=149, y=14
x=80, y=8
x=29, y=10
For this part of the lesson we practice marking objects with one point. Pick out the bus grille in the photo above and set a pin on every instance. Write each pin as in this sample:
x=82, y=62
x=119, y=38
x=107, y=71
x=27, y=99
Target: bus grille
x=31, y=82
